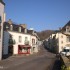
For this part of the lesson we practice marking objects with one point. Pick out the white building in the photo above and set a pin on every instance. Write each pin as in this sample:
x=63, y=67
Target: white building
x=59, y=40
x=2, y=19
x=2, y=13
x=25, y=41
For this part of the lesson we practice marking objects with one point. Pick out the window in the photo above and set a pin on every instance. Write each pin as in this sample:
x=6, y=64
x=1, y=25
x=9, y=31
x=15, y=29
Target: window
x=26, y=38
x=62, y=47
x=61, y=36
x=68, y=38
x=20, y=39
x=25, y=30
x=33, y=41
x=62, y=42
x=66, y=50
x=67, y=29
x=26, y=41
x=11, y=27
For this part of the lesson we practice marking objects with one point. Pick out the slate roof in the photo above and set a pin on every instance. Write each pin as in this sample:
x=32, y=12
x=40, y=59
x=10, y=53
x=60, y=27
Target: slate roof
x=2, y=2
x=64, y=28
x=16, y=28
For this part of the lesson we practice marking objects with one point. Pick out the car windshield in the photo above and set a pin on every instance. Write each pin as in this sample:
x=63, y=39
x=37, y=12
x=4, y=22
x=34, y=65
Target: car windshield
x=66, y=50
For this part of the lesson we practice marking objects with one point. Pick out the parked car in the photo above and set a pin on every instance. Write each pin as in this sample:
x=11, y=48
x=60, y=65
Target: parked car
x=65, y=51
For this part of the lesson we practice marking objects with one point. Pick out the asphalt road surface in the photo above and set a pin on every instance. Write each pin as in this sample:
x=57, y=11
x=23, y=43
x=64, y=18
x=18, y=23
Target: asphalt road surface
x=43, y=60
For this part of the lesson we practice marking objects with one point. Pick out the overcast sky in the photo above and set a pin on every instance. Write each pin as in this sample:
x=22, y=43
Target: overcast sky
x=39, y=14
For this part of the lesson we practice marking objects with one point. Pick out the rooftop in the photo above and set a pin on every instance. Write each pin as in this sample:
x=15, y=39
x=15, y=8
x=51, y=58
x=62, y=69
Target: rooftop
x=2, y=2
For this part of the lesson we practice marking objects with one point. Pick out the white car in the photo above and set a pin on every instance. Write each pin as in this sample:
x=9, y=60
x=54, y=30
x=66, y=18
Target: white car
x=66, y=51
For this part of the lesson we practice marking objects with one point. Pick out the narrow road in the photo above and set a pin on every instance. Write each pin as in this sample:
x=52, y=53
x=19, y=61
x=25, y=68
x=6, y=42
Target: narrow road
x=43, y=60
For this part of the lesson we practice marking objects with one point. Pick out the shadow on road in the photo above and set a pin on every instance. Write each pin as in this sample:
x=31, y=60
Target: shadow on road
x=49, y=49
x=6, y=56
x=57, y=65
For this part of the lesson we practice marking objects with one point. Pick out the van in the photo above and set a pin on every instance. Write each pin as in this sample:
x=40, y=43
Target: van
x=65, y=51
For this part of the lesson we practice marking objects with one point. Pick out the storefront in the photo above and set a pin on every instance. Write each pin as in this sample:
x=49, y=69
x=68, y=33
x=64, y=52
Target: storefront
x=24, y=49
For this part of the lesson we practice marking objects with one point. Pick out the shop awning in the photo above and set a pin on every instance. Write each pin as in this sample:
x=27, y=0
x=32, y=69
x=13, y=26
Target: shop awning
x=25, y=46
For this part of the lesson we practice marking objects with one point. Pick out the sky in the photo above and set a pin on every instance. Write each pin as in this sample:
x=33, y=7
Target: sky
x=38, y=14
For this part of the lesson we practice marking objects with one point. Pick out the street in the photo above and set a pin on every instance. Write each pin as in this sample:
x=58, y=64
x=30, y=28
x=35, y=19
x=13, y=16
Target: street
x=43, y=60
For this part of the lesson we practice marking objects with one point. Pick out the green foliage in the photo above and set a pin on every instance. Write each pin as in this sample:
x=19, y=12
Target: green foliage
x=11, y=41
x=64, y=68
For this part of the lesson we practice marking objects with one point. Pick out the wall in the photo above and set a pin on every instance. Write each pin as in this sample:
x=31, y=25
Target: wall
x=62, y=41
x=5, y=44
x=15, y=36
x=1, y=10
x=34, y=44
x=1, y=30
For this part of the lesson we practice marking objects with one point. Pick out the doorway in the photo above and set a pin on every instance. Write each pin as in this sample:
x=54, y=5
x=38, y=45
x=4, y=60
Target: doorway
x=10, y=50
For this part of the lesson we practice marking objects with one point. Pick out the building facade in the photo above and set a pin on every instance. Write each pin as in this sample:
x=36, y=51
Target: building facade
x=59, y=40
x=2, y=19
x=19, y=40
x=2, y=13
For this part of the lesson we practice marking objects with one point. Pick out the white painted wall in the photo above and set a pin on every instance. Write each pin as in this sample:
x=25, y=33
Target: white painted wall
x=34, y=45
x=2, y=19
x=61, y=38
x=1, y=10
x=15, y=36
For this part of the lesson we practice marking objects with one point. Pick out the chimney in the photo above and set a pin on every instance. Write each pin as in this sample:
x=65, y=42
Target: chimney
x=9, y=21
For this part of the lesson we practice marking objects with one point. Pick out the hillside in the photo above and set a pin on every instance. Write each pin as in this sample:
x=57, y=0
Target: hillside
x=45, y=34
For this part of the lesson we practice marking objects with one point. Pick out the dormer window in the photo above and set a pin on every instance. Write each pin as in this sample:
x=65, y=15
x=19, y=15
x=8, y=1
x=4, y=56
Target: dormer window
x=67, y=29
x=25, y=30
x=19, y=29
x=11, y=27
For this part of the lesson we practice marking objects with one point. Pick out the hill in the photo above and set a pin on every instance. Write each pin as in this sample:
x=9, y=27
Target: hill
x=45, y=34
